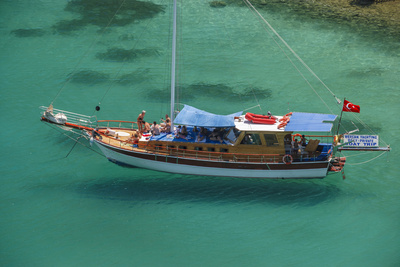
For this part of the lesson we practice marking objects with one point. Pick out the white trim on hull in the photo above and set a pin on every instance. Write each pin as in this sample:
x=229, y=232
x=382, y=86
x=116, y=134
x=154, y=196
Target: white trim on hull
x=129, y=160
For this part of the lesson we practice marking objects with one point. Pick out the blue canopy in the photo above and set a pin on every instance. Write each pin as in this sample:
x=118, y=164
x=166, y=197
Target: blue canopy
x=196, y=117
x=310, y=122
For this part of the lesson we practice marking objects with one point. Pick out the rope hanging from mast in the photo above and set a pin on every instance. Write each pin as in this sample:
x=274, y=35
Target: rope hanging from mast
x=86, y=52
x=255, y=11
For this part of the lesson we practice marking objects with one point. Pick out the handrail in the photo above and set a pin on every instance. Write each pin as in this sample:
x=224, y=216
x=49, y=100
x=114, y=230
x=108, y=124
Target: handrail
x=198, y=154
x=116, y=121
x=119, y=122
x=74, y=118
x=207, y=155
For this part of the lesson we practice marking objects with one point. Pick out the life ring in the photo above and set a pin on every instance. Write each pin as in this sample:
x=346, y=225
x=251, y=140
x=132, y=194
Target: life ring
x=284, y=119
x=283, y=124
x=295, y=135
x=287, y=159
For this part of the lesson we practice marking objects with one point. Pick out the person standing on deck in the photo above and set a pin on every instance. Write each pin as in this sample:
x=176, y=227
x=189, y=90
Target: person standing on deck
x=140, y=120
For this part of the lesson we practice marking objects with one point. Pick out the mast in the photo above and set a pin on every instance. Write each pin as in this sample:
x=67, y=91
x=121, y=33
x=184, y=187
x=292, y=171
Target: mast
x=173, y=62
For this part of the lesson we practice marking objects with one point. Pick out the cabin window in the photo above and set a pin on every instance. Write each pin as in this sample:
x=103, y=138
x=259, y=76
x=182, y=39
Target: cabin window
x=211, y=149
x=223, y=150
x=271, y=140
x=182, y=147
x=251, y=139
x=198, y=148
x=170, y=147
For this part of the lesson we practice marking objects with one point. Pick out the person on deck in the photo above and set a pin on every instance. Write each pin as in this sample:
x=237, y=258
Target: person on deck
x=135, y=139
x=146, y=127
x=217, y=135
x=183, y=133
x=155, y=129
x=295, y=146
x=167, y=127
x=167, y=119
x=303, y=140
x=202, y=134
x=140, y=120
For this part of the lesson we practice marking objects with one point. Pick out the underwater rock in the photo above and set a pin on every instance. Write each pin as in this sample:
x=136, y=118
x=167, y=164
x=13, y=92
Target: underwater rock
x=363, y=73
x=28, y=32
x=88, y=77
x=134, y=77
x=222, y=91
x=100, y=13
x=218, y=4
x=126, y=55
x=126, y=37
x=66, y=27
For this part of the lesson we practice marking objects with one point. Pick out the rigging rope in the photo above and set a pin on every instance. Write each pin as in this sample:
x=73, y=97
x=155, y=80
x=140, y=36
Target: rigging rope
x=247, y=2
x=86, y=52
x=338, y=101
x=255, y=12
x=76, y=140
x=359, y=163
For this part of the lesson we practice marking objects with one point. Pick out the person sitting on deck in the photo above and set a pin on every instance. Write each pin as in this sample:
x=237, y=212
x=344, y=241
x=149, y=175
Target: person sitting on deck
x=134, y=139
x=217, y=134
x=202, y=134
x=167, y=127
x=155, y=129
x=146, y=127
x=167, y=119
x=183, y=133
x=140, y=120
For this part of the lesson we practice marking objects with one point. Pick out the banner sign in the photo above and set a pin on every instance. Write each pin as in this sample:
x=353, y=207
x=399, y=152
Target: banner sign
x=361, y=140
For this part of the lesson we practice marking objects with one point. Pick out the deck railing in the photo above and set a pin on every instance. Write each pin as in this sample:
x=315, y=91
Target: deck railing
x=74, y=118
x=131, y=125
x=167, y=150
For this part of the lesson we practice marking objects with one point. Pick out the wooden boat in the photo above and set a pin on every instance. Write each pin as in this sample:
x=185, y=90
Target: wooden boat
x=234, y=145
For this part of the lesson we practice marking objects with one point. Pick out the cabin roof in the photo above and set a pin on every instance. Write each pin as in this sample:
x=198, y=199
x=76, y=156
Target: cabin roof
x=310, y=122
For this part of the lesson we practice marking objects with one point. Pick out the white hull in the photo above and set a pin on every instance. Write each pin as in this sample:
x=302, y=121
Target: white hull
x=131, y=160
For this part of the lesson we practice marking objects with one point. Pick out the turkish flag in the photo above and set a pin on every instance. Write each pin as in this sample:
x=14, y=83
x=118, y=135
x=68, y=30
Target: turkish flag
x=349, y=107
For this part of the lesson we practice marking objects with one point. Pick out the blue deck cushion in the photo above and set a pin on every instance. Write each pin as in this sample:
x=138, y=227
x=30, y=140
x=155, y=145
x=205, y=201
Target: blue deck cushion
x=310, y=122
x=195, y=117
x=191, y=138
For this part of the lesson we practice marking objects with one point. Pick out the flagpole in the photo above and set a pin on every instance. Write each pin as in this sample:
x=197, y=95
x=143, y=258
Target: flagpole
x=340, y=119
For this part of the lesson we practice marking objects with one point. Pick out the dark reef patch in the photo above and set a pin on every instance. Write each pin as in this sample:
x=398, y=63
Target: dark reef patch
x=218, y=4
x=28, y=32
x=193, y=91
x=126, y=55
x=366, y=72
x=89, y=77
x=375, y=16
x=134, y=77
x=100, y=13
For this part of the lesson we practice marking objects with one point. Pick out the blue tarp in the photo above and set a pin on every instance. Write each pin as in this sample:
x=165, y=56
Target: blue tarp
x=196, y=117
x=310, y=122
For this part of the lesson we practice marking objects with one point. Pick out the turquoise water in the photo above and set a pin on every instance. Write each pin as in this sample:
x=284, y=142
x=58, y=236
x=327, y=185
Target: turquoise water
x=84, y=211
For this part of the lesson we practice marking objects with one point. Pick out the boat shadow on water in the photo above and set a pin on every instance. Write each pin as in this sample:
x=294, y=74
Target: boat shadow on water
x=192, y=189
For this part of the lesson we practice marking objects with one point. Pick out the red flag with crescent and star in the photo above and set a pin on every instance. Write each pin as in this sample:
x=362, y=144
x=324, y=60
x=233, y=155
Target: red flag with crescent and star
x=350, y=107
